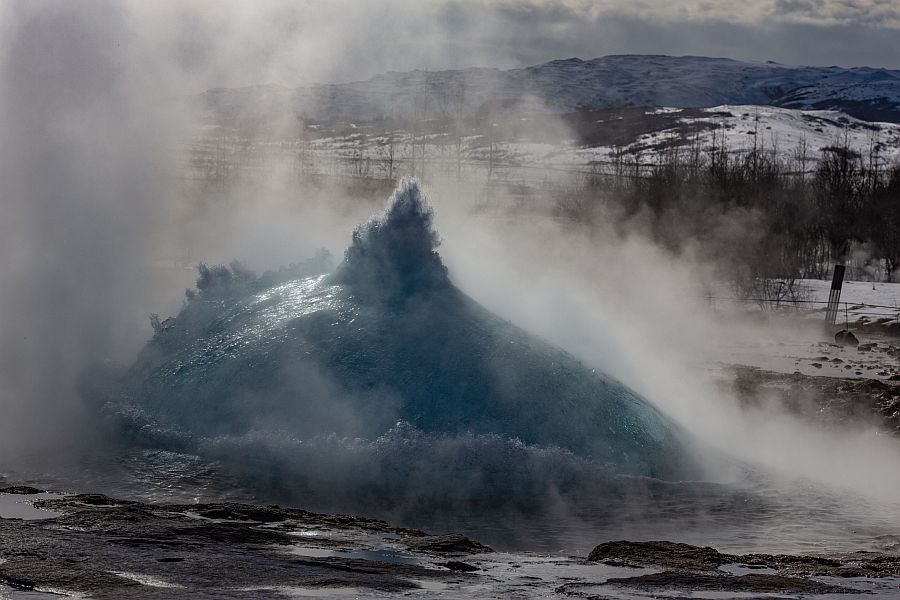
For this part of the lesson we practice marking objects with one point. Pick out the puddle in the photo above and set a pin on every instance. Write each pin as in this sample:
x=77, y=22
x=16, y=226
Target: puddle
x=389, y=555
x=739, y=595
x=21, y=506
x=316, y=552
x=148, y=580
x=8, y=593
x=741, y=569
x=312, y=533
x=338, y=593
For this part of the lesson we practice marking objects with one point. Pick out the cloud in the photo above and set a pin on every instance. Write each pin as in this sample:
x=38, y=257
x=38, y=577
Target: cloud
x=231, y=43
x=84, y=160
x=875, y=14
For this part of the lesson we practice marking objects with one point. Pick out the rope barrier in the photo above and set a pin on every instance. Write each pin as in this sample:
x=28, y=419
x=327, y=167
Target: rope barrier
x=786, y=300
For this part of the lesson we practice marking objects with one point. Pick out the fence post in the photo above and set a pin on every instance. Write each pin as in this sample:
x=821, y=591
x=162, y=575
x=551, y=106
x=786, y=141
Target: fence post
x=834, y=297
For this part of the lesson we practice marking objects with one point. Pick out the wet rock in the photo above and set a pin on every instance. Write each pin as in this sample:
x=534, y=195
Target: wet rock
x=237, y=512
x=455, y=565
x=670, y=555
x=105, y=548
x=242, y=512
x=751, y=583
x=448, y=544
x=76, y=501
x=846, y=338
x=685, y=557
x=20, y=489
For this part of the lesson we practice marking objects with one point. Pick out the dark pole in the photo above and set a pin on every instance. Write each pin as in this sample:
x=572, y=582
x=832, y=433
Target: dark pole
x=834, y=297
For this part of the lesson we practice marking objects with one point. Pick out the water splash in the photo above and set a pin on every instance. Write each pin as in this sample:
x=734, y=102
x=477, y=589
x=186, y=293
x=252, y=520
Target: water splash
x=331, y=380
x=394, y=255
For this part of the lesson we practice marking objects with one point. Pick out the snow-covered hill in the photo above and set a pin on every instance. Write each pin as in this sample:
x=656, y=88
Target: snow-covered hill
x=597, y=141
x=566, y=85
x=799, y=135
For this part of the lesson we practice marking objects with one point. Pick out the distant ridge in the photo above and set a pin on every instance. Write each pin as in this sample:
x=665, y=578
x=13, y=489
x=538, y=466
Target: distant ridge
x=565, y=85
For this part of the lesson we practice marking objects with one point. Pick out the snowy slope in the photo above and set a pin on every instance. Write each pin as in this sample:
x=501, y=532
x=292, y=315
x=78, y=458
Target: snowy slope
x=865, y=300
x=741, y=128
x=872, y=100
x=778, y=130
x=566, y=85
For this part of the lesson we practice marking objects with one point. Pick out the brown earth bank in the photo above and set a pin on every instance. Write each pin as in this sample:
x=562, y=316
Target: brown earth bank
x=832, y=401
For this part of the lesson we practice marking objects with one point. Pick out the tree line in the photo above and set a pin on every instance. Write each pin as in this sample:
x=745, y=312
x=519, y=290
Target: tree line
x=762, y=213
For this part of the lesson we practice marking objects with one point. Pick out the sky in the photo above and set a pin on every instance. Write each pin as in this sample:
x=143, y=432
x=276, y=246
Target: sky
x=291, y=42
x=228, y=43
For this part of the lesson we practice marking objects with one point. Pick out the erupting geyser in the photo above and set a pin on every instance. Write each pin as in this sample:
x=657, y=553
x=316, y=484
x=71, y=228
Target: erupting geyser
x=382, y=357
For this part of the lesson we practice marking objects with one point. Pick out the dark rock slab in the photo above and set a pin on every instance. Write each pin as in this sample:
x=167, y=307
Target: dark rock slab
x=107, y=548
x=455, y=565
x=20, y=489
x=699, y=568
x=847, y=564
x=448, y=544
x=669, y=555
x=754, y=582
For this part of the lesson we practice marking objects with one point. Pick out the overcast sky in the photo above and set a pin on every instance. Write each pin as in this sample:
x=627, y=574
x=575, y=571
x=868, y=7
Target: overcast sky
x=290, y=42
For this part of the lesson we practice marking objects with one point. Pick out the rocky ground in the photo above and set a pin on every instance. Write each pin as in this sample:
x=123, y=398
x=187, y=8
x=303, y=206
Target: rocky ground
x=108, y=548
x=703, y=568
x=98, y=547
x=869, y=393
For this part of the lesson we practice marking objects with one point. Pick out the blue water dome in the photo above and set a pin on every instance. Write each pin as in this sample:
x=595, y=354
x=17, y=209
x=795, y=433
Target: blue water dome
x=384, y=338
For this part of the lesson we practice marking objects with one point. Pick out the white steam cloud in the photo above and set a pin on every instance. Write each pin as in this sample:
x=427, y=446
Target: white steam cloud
x=91, y=197
x=84, y=163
